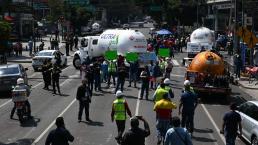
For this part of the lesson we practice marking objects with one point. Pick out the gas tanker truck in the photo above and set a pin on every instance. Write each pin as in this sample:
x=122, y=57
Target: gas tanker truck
x=122, y=41
x=208, y=74
x=201, y=38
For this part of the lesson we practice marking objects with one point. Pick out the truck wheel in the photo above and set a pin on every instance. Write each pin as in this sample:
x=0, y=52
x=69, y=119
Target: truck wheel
x=77, y=62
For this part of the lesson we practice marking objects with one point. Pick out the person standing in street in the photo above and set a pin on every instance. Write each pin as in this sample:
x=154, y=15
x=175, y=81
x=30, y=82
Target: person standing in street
x=121, y=73
x=231, y=125
x=46, y=74
x=156, y=73
x=112, y=69
x=90, y=77
x=104, y=70
x=168, y=68
x=133, y=71
x=163, y=110
x=136, y=135
x=97, y=77
x=188, y=104
x=60, y=135
x=30, y=44
x=118, y=113
x=76, y=40
x=55, y=78
x=145, y=76
x=84, y=97
x=67, y=47
x=177, y=135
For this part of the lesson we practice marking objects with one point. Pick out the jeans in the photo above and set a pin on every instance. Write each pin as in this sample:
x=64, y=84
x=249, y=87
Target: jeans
x=97, y=82
x=120, y=83
x=83, y=105
x=230, y=138
x=113, y=75
x=162, y=126
x=55, y=82
x=188, y=121
x=132, y=78
x=120, y=128
x=90, y=84
x=104, y=76
x=145, y=87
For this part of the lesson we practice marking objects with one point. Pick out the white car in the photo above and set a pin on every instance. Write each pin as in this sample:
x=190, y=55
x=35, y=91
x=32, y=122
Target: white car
x=249, y=115
x=40, y=57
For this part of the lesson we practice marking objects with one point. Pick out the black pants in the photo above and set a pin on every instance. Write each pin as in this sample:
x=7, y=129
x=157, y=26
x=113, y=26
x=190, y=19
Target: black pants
x=145, y=87
x=56, y=84
x=27, y=104
x=90, y=84
x=83, y=105
x=120, y=128
x=188, y=121
x=113, y=75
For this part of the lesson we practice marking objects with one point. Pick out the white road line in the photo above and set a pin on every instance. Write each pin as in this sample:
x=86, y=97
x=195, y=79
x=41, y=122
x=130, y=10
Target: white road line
x=213, y=123
x=52, y=123
x=6, y=103
x=138, y=104
x=175, y=62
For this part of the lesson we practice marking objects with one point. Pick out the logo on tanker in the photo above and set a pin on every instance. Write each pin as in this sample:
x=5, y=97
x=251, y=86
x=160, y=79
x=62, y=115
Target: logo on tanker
x=131, y=38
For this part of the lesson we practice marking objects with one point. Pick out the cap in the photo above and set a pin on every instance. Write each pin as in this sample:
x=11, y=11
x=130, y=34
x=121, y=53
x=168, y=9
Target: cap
x=20, y=81
x=119, y=93
x=167, y=58
x=167, y=81
x=187, y=83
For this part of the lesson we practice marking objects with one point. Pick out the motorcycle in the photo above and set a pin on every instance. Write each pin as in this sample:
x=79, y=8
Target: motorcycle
x=19, y=97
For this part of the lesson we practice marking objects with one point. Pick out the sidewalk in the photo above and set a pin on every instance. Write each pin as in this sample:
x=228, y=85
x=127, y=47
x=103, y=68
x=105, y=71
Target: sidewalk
x=26, y=58
x=250, y=87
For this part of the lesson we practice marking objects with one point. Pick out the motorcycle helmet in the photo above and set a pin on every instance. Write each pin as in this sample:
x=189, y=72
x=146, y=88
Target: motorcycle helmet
x=20, y=81
x=187, y=83
x=119, y=94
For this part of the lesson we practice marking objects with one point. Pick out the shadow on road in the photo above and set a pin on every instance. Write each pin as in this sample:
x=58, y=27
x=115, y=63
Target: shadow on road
x=93, y=123
x=26, y=141
x=203, y=139
x=31, y=123
x=207, y=130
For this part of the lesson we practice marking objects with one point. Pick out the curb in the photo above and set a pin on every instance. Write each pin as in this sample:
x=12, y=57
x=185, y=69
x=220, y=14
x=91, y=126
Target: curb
x=243, y=86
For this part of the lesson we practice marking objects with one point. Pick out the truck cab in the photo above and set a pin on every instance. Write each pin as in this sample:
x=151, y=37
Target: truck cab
x=88, y=45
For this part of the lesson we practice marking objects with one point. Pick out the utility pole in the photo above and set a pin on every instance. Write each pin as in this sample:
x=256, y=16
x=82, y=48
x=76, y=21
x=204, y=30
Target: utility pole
x=33, y=27
x=236, y=44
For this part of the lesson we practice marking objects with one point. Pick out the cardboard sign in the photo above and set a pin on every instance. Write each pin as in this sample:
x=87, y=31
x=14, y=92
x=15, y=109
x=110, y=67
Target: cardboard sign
x=111, y=55
x=131, y=56
x=163, y=52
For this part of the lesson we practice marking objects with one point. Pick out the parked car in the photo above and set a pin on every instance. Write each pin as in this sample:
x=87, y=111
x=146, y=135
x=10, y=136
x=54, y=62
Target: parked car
x=126, y=26
x=249, y=115
x=9, y=73
x=40, y=57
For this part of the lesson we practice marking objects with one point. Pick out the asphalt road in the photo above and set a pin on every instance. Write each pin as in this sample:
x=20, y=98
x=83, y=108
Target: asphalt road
x=46, y=107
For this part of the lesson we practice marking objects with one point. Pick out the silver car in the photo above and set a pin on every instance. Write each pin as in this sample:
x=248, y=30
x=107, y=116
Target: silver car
x=249, y=115
x=9, y=74
x=37, y=61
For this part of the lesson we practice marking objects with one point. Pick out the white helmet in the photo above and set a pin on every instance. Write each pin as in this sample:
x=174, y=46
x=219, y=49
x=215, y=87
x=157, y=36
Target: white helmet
x=20, y=81
x=167, y=81
x=119, y=93
x=187, y=83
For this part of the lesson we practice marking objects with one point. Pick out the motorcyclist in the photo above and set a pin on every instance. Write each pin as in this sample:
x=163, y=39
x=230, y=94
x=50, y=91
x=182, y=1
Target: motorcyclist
x=22, y=86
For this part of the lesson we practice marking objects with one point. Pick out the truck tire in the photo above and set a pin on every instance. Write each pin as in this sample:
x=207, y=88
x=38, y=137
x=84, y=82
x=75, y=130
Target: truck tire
x=77, y=62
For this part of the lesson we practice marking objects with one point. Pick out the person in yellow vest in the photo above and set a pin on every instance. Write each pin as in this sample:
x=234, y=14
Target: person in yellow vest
x=162, y=64
x=112, y=69
x=162, y=89
x=118, y=113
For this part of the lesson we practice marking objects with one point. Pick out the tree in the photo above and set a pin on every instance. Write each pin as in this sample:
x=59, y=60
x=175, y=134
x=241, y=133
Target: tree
x=56, y=9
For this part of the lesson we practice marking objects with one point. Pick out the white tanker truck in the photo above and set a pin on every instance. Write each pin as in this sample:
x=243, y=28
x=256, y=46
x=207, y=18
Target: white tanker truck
x=122, y=41
x=200, y=38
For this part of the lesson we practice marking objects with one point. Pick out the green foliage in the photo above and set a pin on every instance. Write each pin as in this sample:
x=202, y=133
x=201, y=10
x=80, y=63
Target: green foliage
x=5, y=29
x=57, y=9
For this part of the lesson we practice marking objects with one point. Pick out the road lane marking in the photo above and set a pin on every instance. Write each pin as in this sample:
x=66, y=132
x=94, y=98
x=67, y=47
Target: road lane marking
x=52, y=123
x=138, y=104
x=175, y=62
x=5, y=103
x=213, y=123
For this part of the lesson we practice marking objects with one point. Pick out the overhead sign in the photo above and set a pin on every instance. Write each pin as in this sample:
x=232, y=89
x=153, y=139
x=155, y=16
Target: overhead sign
x=224, y=6
x=111, y=55
x=163, y=52
x=248, y=37
x=131, y=56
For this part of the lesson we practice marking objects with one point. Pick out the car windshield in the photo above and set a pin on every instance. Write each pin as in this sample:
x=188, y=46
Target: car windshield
x=44, y=54
x=10, y=70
